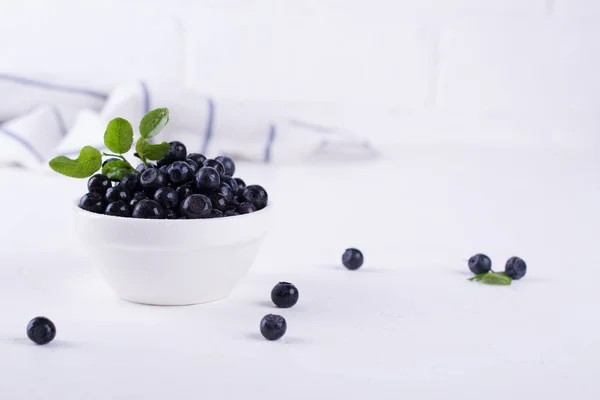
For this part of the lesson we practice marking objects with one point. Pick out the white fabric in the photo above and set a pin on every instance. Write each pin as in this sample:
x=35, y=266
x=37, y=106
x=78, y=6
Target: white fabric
x=40, y=120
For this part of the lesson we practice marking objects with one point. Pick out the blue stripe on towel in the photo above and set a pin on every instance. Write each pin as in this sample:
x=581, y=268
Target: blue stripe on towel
x=209, y=125
x=24, y=143
x=146, y=94
x=309, y=125
x=59, y=120
x=52, y=86
x=270, y=141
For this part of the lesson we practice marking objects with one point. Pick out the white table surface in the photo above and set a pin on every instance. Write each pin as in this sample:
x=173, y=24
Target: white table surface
x=408, y=325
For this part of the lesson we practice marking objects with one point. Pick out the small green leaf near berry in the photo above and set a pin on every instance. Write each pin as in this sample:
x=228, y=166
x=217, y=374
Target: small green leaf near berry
x=154, y=122
x=117, y=169
x=84, y=166
x=118, y=136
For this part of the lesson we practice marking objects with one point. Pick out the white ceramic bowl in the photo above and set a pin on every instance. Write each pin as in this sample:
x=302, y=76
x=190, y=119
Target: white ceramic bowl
x=172, y=262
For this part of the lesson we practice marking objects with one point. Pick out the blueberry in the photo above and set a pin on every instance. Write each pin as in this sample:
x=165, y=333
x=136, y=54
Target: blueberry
x=136, y=198
x=118, y=209
x=196, y=206
x=284, y=295
x=273, y=326
x=153, y=179
x=185, y=191
x=167, y=197
x=164, y=168
x=228, y=164
x=230, y=213
x=352, y=259
x=148, y=209
x=216, y=165
x=219, y=202
x=109, y=160
x=480, y=263
x=180, y=172
x=236, y=201
x=515, y=268
x=170, y=214
x=215, y=214
x=207, y=180
x=140, y=167
x=256, y=195
x=232, y=183
x=98, y=184
x=132, y=182
x=118, y=193
x=245, y=208
x=177, y=152
x=41, y=330
x=226, y=191
x=241, y=184
x=193, y=165
x=93, y=202
x=198, y=158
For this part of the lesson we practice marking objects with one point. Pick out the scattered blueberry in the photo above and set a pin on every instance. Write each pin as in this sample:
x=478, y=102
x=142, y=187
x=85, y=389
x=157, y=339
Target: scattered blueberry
x=216, y=165
x=196, y=206
x=273, y=327
x=352, y=259
x=136, y=198
x=167, y=197
x=198, y=158
x=177, y=152
x=118, y=209
x=207, y=179
x=99, y=184
x=118, y=193
x=193, y=165
x=93, y=202
x=219, y=202
x=479, y=264
x=170, y=214
x=232, y=183
x=284, y=295
x=256, y=195
x=180, y=172
x=245, y=208
x=185, y=191
x=515, y=268
x=215, y=214
x=41, y=330
x=241, y=184
x=230, y=213
x=153, y=179
x=132, y=182
x=148, y=209
x=228, y=164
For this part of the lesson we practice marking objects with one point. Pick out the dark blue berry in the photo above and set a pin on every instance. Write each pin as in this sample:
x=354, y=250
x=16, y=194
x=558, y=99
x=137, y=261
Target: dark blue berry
x=352, y=259
x=232, y=183
x=132, y=182
x=216, y=165
x=215, y=214
x=230, y=213
x=284, y=295
x=256, y=195
x=177, y=152
x=152, y=179
x=148, y=209
x=196, y=206
x=515, y=268
x=141, y=167
x=118, y=193
x=118, y=209
x=167, y=197
x=480, y=263
x=219, y=202
x=245, y=208
x=164, y=168
x=93, y=202
x=136, y=198
x=170, y=214
x=228, y=164
x=180, y=172
x=273, y=326
x=198, y=158
x=99, y=184
x=241, y=184
x=207, y=180
x=193, y=165
x=185, y=191
x=41, y=330
x=226, y=191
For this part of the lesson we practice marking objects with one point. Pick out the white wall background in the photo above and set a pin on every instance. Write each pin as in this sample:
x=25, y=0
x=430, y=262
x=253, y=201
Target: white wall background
x=485, y=72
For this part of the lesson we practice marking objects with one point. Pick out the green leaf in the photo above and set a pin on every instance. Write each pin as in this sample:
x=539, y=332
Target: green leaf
x=88, y=162
x=154, y=122
x=492, y=278
x=117, y=169
x=148, y=151
x=118, y=136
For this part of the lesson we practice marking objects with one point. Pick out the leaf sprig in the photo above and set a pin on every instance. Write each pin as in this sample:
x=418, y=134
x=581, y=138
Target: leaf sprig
x=118, y=138
x=492, y=278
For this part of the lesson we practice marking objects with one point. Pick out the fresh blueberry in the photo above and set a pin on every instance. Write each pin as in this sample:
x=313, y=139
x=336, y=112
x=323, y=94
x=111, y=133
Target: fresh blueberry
x=352, y=259
x=136, y=198
x=180, y=172
x=216, y=165
x=236, y=201
x=170, y=214
x=480, y=263
x=118, y=209
x=196, y=206
x=215, y=214
x=241, y=184
x=41, y=330
x=219, y=202
x=109, y=160
x=207, y=180
x=185, y=191
x=99, y=184
x=245, y=208
x=148, y=209
x=164, y=168
x=140, y=167
x=193, y=165
x=118, y=193
x=93, y=202
x=198, y=158
x=132, y=182
x=515, y=268
x=256, y=195
x=226, y=191
x=153, y=179
x=177, y=152
x=232, y=183
x=167, y=197
x=273, y=326
x=284, y=295
x=228, y=164
x=230, y=213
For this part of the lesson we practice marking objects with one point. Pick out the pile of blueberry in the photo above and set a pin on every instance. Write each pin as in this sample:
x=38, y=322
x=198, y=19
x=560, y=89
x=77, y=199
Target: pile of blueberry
x=481, y=266
x=180, y=186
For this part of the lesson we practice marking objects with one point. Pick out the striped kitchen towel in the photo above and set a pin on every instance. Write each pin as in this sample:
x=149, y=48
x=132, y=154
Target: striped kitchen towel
x=40, y=120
